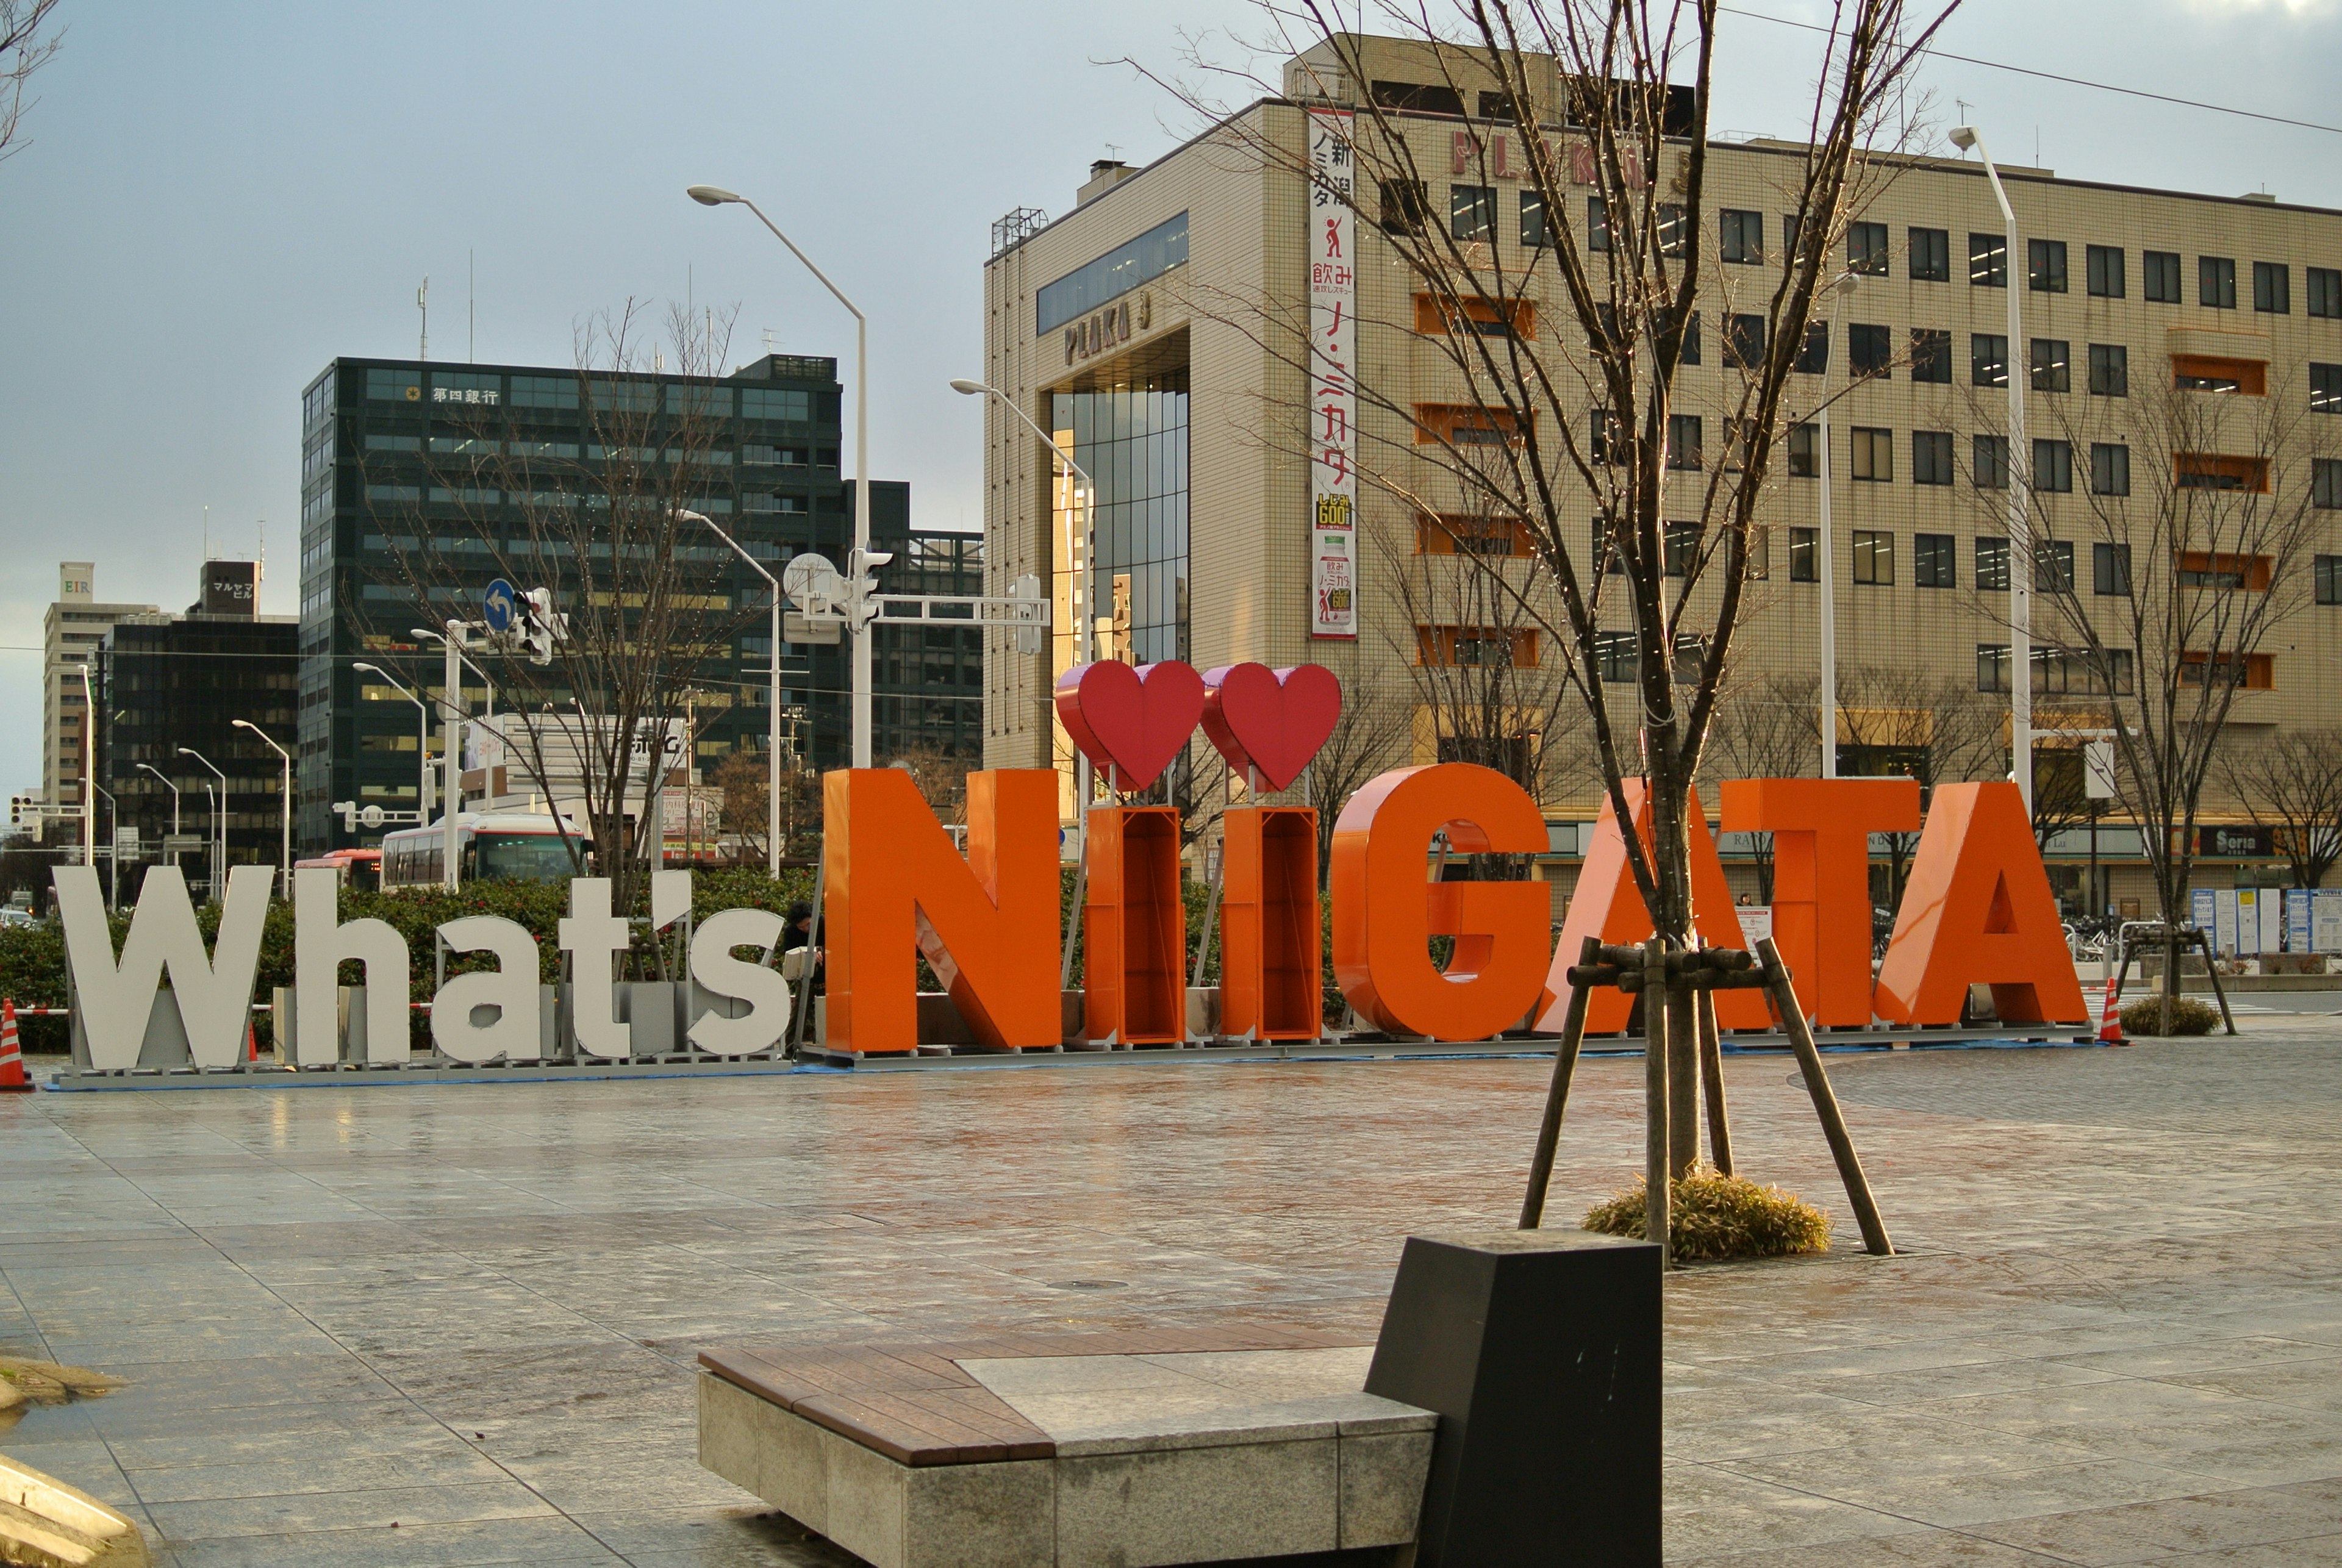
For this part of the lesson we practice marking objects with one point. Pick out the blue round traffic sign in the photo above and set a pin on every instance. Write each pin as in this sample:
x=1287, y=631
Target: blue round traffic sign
x=497, y=606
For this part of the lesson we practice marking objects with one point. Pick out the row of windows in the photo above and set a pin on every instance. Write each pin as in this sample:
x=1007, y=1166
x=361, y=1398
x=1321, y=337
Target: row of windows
x=752, y=455
x=1473, y=218
x=562, y=392
x=1871, y=457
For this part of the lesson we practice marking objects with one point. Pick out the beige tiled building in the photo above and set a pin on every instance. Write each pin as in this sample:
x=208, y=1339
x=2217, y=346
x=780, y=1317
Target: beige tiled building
x=1155, y=328
x=72, y=632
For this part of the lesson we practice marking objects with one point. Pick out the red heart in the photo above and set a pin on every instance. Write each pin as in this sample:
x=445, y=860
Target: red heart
x=1133, y=721
x=1271, y=721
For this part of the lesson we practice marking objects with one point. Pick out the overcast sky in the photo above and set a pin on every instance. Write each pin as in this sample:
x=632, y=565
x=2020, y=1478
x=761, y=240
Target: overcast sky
x=217, y=199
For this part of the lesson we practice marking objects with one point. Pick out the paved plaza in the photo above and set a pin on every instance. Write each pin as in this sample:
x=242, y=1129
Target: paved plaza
x=457, y=1324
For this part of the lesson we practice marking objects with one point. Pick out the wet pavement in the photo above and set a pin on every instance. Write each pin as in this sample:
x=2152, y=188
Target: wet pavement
x=456, y=1324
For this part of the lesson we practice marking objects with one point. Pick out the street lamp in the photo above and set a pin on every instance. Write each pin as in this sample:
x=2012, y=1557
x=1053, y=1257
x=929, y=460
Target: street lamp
x=422, y=741
x=88, y=769
x=452, y=719
x=174, y=797
x=1082, y=545
x=773, y=702
x=219, y=815
x=1827, y=564
x=113, y=849
x=2020, y=469
x=488, y=707
x=717, y=197
x=287, y=850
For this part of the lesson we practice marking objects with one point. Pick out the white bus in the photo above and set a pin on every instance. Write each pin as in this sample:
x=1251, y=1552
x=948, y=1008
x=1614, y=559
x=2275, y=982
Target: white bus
x=495, y=846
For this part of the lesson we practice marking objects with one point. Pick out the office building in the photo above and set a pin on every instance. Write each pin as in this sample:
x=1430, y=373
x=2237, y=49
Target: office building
x=1154, y=328
x=173, y=685
x=71, y=633
x=423, y=482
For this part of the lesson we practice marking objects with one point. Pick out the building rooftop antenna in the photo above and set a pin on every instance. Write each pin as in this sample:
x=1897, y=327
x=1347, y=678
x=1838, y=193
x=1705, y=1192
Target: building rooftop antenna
x=423, y=303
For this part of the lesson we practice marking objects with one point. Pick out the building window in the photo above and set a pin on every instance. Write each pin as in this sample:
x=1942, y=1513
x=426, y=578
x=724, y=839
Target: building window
x=1866, y=249
x=2045, y=265
x=1869, y=351
x=1873, y=453
x=2053, y=566
x=1812, y=354
x=1931, y=457
x=1682, y=441
x=2324, y=287
x=2205, y=372
x=1475, y=312
x=2215, y=471
x=2109, y=468
x=2109, y=370
x=2272, y=288
x=1472, y=214
x=2326, y=482
x=1470, y=533
x=1607, y=558
x=1988, y=261
x=2104, y=266
x=1987, y=359
x=1874, y=557
x=1482, y=647
x=1804, y=556
x=2325, y=389
x=2328, y=573
x=1615, y=658
x=1597, y=223
x=1675, y=229
x=1793, y=232
x=1740, y=236
x=2215, y=282
x=2246, y=672
x=1992, y=666
x=1680, y=548
x=2053, y=369
x=1533, y=235
x=2052, y=466
x=1935, y=561
x=1744, y=341
x=1931, y=356
x=1691, y=348
x=1989, y=457
x=2109, y=570
x=1931, y=255
x=1805, y=451
x=1991, y=563
x=1406, y=206
x=2162, y=275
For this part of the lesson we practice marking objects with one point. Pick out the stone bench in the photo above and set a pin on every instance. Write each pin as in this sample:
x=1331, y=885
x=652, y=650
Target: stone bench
x=1130, y=1448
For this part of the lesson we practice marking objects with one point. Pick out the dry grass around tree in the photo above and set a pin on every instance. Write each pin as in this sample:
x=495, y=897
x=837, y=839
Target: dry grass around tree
x=2188, y=1016
x=1713, y=1217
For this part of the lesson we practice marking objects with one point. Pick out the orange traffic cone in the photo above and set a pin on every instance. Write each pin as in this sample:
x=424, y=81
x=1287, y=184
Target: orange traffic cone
x=251, y=1042
x=2110, y=1019
x=12, y=1056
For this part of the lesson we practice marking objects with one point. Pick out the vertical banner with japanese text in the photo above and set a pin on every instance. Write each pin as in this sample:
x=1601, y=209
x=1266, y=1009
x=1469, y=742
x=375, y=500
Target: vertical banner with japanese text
x=1333, y=388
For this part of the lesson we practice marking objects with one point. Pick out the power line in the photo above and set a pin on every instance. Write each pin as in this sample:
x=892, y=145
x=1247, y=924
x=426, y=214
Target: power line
x=2068, y=81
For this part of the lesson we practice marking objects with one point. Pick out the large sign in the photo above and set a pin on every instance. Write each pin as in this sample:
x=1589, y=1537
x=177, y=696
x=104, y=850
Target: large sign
x=1333, y=411
x=986, y=917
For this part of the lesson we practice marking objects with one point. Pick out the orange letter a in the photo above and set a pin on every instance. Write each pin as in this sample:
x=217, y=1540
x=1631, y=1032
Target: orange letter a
x=1608, y=905
x=1978, y=909
x=896, y=887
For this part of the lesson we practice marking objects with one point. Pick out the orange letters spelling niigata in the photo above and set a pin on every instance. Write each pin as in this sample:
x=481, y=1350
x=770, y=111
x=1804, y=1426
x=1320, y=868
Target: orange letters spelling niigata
x=1609, y=906
x=987, y=924
x=1978, y=909
x=1385, y=913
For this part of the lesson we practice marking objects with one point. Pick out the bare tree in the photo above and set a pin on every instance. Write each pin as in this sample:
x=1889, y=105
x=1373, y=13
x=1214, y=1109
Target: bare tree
x=2290, y=783
x=653, y=612
x=2198, y=513
x=26, y=44
x=1370, y=737
x=1765, y=726
x=1900, y=722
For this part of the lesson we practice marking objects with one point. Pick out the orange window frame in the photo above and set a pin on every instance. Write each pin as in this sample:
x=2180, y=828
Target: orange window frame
x=2251, y=375
x=2248, y=473
x=2260, y=669
x=1434, y=315
x=1440, y=535
x=1437, y=424
x=1435, y=645
x=2255, y=569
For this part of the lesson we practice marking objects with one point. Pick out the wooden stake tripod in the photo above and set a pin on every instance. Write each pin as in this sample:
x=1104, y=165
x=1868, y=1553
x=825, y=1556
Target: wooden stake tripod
x=1678, y=988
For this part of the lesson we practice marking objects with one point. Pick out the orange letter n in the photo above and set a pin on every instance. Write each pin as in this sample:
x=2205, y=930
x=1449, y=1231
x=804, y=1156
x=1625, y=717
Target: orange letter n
x=896, y=888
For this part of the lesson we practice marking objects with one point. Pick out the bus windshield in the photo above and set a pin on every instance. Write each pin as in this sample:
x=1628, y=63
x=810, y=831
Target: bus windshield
x=519, y=857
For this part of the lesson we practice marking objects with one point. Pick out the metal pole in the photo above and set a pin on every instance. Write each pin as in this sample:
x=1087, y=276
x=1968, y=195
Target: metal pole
x=2020, y=490
x=219, y=821
x=1827, y=567
x=422, y=742
x=867, y=630
x=450, y=737
x=88, y=772
x=287, y=867
x=772, y=729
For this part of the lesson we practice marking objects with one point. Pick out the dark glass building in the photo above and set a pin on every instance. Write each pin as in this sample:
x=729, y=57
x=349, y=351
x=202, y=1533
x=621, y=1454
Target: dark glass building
x=454, y=466
x=163, y=682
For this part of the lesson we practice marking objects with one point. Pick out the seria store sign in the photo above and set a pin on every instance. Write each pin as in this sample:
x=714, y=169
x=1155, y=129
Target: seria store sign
x=1978, y=909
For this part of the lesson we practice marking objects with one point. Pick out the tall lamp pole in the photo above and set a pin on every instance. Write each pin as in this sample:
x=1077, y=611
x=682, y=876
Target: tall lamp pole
x=285, y=864
x=1827, y=564
x=422, y=741
x=175, y=796
x=773, y=701
x=219, y=832
x=717, y=197
x=88, y=771
x=2020, y=490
